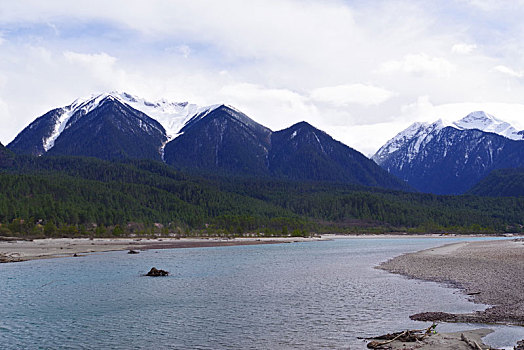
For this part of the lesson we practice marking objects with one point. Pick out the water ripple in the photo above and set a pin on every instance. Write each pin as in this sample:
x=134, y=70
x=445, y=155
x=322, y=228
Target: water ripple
x=285, y=296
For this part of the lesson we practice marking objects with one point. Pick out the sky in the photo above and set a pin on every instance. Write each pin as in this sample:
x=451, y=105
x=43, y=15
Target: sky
x=360, y=70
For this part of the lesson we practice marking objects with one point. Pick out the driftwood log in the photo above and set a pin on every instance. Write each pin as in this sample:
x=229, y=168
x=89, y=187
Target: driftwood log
x=405, y=336
x=471, y=343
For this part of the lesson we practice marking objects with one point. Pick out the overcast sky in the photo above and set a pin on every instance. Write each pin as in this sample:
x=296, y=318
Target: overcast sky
x=360, y=70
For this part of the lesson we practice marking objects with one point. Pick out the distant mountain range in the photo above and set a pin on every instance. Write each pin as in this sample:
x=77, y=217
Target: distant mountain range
x=440, y=157
x=449, y=158
x=213, y=139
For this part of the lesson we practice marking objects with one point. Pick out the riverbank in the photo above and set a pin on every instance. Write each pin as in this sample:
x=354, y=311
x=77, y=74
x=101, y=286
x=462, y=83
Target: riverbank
x=16, y=250
x=491, y=272
x=20, y=250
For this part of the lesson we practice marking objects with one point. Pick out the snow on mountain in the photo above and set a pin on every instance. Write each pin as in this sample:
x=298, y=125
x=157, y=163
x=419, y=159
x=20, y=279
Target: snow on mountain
x=421, y=133
x=171, y=115
x=79, y=105
x=486, y=122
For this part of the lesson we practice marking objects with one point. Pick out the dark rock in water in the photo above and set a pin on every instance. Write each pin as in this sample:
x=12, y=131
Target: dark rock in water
x=154, y=272
x=131, y=251
x=520, y=345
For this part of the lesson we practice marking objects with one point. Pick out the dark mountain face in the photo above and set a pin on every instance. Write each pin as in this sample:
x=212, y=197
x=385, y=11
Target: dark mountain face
x=303, y=152
x=501, y=183
x=228, y=141
x=222, y=140
x=450, y=161
x=31, y=139
x=217, y=140
x=113, y=130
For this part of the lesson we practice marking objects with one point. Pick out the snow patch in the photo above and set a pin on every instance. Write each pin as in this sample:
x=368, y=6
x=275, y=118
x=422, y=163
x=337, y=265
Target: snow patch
x=318, y=140
x=59, y=126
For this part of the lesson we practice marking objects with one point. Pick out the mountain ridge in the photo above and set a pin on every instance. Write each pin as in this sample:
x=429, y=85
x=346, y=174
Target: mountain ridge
x=449, y=159
x=216, y=138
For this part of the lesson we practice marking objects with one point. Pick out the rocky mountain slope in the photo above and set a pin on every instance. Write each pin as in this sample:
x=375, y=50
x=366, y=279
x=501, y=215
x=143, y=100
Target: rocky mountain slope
x=449, y=158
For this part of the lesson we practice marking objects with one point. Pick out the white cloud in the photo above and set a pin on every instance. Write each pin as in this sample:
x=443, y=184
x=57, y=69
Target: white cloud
x=98, y=67
x=463, y=48
x=344, y=95
x=90, y=60
x=508, y=71
x=419, y=65
x=280, y=61
x=276, y=108
x=184, y=50
x=424, y=110
x=494, y=5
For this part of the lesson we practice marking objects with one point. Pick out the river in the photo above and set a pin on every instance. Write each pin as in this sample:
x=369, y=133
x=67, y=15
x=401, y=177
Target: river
x=308, y=295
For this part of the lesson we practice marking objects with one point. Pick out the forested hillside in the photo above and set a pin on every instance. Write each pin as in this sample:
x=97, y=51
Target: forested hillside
x=64, y=196
x=501, y=183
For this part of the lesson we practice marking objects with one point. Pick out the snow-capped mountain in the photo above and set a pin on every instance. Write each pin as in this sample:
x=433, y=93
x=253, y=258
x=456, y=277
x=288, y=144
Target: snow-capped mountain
x=103, y=127
x=213, y=139
x=40, y=136
x=450, y=157
x=423, y=132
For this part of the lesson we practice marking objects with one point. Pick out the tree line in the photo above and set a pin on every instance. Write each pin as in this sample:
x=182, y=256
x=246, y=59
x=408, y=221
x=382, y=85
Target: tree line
x=76, y=196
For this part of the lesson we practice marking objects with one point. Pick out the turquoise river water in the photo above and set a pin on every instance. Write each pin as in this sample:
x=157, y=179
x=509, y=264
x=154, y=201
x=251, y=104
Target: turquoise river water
x=311, y=295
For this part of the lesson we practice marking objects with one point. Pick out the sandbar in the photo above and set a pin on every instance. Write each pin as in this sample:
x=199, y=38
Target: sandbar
x=13, y=250
x=491, y=272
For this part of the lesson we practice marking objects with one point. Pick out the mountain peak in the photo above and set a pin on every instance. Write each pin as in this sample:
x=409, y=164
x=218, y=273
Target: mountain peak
x=302, y=124
x=483, y=121
x=479, y=115
x=477, y=119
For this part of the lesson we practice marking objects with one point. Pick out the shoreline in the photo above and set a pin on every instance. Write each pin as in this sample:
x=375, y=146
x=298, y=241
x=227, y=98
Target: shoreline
x=489, y=272
x=17, y=249
x=13, y=250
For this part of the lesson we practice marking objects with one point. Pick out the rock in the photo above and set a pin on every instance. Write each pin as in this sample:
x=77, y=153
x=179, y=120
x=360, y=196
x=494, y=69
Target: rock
x=520, y=345
x=154, y=272
x=131, y=251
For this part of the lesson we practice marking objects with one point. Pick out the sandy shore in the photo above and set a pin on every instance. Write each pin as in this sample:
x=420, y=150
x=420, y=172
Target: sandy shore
x=492, y=272
x=16, y=250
